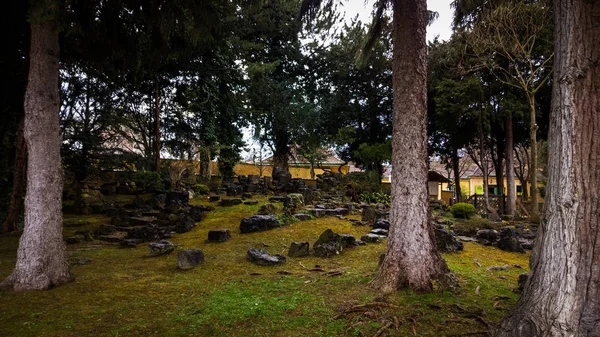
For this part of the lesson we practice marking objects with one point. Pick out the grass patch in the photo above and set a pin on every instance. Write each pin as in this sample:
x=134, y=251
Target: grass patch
x=124, y=293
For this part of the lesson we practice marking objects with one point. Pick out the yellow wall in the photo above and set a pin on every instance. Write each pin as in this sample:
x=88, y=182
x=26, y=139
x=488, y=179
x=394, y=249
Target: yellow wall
x=296, y=171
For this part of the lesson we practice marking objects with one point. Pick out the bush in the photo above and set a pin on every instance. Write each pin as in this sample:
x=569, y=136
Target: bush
x=148, y=181
x=286, y=218
x=463, y=210
x=376, y=198
x=201, y=189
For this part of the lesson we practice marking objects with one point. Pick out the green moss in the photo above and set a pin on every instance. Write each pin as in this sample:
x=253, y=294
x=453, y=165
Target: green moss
x=124, y=293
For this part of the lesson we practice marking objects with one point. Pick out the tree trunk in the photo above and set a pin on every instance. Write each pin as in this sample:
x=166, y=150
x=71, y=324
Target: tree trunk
x=562, y=296
x=511, y=204
x=533, y=160
x=412, y=259
x=16, y=196
x=484, y=165
x=498, y=166
x=156, y=129
x=282, y=150
x=456, y=169
x=41, y=257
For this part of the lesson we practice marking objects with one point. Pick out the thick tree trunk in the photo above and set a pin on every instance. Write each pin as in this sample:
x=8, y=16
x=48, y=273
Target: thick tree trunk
x=456, y=169
x=485, y=171
x=499, y=168
x=15, y=205
x=41, y=257
x=412, y=259
x=282, y=150
x=562, y=296
x=511, y=200
x=533, y=160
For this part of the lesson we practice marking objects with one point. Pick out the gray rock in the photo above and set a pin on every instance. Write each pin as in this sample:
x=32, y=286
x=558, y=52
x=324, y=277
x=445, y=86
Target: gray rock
x=130, y=243
x=267, y=209
x=487, y=236
x=230, y=202
x=299, y=249
x=178, y=198
x=382, y=224
x=251, y=202
x=380, y=232
x=262, y=258
x=214, y=198
x=198, y=212
x=509, y=241
x=303, y=217
x=190, y=258
x=277, y=198
x=294, y=200
x=219, y=235
x=348, y=240
x=106, y=229
x=184, y=224
x=446, y=242
x=161, y=247
x=258, y=223
x=329, y=244
x=371, y=238
x=113, y=237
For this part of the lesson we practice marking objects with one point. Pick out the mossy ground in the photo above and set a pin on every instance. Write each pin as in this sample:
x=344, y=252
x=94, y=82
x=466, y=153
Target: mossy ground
x=124, y=293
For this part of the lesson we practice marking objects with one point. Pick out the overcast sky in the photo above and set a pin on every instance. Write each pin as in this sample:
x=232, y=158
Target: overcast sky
x=440, y=27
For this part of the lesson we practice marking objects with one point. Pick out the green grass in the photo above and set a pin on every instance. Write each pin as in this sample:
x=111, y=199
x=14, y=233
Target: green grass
x=124, y=293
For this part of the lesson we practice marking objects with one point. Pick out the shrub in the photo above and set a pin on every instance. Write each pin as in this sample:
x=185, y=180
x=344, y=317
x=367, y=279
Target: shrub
x=148, y=181
x=463, y=210
x=201, y=189
x=375, y=198
x=286, y=218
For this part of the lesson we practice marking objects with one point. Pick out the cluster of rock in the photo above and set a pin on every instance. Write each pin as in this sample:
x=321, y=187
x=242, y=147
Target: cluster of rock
x=154, y=219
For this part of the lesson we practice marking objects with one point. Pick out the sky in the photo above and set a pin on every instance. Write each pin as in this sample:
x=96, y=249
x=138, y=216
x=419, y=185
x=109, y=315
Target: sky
x=440, y=27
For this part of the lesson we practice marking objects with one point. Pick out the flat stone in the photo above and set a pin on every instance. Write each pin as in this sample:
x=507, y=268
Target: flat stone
x=251, y=202
x=303, y=217
x=130, y=243
x=214, y=198
x=219, y=235
x=161, y=247
x=380, y=231
x=381, y=224
x=258, y=223
x=230, y=202
x=262, y=258
x=371, y=238
x=114, y=237
x=299, y=249
x=190, y=258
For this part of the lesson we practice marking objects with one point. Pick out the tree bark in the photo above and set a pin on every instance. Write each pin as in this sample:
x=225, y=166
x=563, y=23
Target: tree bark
x=533, y=161
x=456, y=169
x=484, y=164
x=511, y=203
x=41, y=257
x=412, y=259
x=15, y=205
x=562, y=297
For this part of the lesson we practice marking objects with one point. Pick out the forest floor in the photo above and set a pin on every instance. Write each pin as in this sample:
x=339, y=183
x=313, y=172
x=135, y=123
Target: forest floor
x=122, y=292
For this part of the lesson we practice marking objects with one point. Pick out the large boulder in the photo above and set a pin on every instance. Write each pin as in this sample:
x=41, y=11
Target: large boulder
x=487, y=236
x=446, y=242
x=267, y=209
x=258, y=223
x=371, y=238
x=381, y=223
x=348, y=240
x=329, y=244
x=294, y=201
x=298, y=249
x=198, y=212
x=184, y=224
x=509, y=241
x=161, y=247
x=262, y=258
x=190, y=258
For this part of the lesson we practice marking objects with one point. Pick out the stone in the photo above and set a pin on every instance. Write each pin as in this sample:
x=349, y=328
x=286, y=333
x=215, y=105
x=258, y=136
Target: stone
x=190, y=258
x=487, y=236
x=523, y=278
x=303, y=217
x=348, y=240
x=372, y=213
x=214, y=198
x=299, y=249
x=246, y=195
x=446, y=242
x=73, y=239
x=526, y=243
x=184, y=223
x=219, y=235
x=197, y=212
x=230, y=202
x=162, y=247
x=140, y=221
x=78, y=260
x=262, y=258
x=381, y=223
x=144, y=233
x=277, y=198
x=251, y=202
x=294, y=201
x=267, y=209
x=130, y=243
x=178, y=198
x=380, y=232
x=87, y=235
x=509, y=241
x=113, y=237
x=371, y=238
x=357, y=223
x=258, y=223
x=329, y=244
